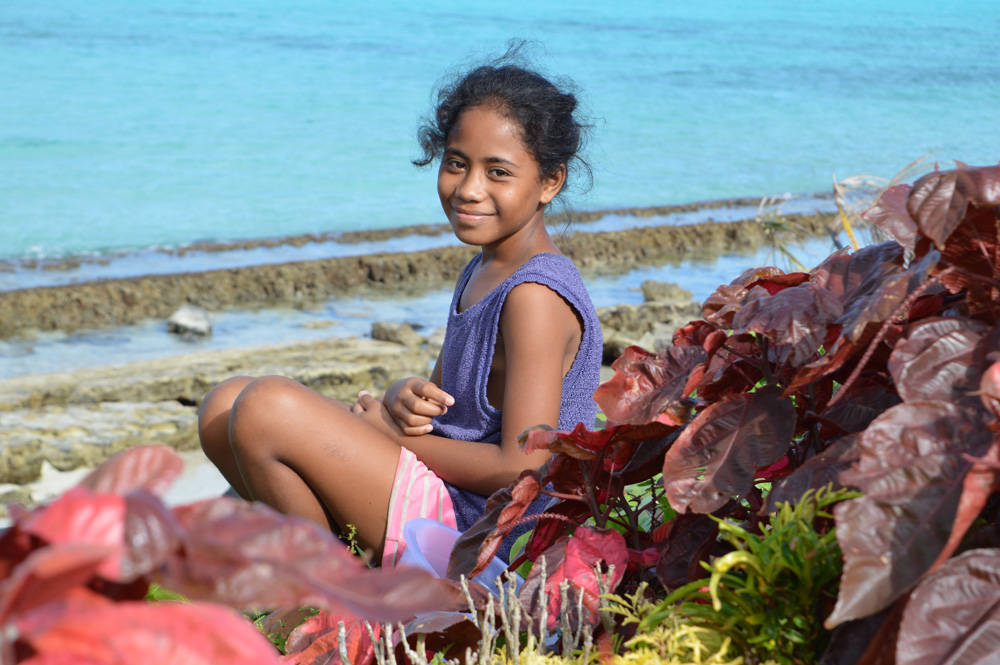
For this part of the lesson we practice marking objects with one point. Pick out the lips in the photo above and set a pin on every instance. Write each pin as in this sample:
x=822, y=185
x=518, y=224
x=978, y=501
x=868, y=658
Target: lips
x=466, y=216
x=462, y=212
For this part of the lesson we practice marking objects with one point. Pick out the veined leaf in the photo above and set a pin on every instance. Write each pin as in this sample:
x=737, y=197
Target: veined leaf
x=476, y=547
x=720, y=307
x=954, y=615
x=646, y=386
x=891, y=216
x=938, y=200
x=574, y=559
x=137, y=632
x=911, y=470
x=717, y=456
x=794, y=319
x=250, y=556
x=150, y=468
x=935, y=361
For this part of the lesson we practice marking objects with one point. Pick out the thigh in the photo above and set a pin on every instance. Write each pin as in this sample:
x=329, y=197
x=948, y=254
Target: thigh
x=348, y=464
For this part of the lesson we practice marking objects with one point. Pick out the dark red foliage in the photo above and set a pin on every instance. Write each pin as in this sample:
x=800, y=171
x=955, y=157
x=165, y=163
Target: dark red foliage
x=648, y=387
x=954, y=615
x=477, y=546
x=573, y=558
x=718, y=456
x=878, y=370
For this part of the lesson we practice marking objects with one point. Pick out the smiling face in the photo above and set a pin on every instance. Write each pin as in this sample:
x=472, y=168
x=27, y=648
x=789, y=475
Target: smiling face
x=490, y=185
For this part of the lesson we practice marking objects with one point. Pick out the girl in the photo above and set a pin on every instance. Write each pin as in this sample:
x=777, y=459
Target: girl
x=522, y=348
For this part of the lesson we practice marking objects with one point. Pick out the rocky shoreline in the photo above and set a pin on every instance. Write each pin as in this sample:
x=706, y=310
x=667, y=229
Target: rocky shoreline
x=125, y=301
x=76, y=419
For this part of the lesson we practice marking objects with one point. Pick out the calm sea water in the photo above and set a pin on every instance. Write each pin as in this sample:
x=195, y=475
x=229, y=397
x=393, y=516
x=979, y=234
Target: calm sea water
x=128, y=125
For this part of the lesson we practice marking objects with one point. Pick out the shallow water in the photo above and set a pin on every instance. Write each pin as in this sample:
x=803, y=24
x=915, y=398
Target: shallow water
x=128, y=126
x=58, y=351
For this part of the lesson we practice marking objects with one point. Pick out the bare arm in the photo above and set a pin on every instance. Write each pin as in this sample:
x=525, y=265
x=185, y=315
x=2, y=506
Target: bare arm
x=538, y=329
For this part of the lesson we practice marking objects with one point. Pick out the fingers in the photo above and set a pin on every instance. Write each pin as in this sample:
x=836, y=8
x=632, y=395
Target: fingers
x=430, y=392
x=364, y=402
x=417, y=431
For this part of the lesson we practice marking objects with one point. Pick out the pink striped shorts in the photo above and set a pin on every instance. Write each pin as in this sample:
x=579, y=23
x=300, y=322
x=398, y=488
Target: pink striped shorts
x=416, y=492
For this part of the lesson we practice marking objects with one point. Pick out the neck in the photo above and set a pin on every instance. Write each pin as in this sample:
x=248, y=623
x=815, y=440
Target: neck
x=518, y=248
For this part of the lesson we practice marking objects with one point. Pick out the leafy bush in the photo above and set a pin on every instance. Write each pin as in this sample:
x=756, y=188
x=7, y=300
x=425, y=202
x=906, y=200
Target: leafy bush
x=878, y=371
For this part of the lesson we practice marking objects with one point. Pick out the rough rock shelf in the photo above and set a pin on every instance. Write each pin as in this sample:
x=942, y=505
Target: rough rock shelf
x=76, y=419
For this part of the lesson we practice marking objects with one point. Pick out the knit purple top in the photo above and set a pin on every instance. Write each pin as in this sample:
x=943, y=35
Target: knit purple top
x=467, y=356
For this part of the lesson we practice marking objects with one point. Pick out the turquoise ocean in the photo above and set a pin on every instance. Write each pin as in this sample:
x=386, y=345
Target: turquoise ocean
x=132, y=127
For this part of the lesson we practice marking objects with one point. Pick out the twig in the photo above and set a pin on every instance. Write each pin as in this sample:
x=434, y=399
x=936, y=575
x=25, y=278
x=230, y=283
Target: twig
x=342, y=642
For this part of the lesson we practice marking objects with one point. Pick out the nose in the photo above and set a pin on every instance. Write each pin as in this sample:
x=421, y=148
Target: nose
x=472, y=186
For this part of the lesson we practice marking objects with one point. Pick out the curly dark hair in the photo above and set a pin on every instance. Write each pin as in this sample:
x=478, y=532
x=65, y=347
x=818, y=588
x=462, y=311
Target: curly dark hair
x=549, y=129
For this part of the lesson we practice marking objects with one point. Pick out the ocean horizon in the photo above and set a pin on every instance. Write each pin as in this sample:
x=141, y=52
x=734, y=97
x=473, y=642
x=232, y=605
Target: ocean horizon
x=129, y=127
x=132, y=132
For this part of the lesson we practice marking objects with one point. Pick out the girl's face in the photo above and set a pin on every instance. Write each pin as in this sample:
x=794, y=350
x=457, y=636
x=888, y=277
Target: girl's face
x=490, y=185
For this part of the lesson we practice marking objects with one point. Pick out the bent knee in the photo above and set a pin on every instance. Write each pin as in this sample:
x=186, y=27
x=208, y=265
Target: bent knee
x=213, y=415
x=263, y=408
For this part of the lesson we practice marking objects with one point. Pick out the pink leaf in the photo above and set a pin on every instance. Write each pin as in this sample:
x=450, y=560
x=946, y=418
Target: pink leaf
x=137, y=632
x=316, y=640
x=573, y=559
x=152, y=468
x=48, y=574
x=251, y=556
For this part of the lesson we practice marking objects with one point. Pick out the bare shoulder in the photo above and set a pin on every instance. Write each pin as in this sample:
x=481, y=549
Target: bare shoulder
x=531, y=306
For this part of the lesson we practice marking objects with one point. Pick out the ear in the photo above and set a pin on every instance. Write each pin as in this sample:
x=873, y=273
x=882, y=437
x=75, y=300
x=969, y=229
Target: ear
x=552, y=184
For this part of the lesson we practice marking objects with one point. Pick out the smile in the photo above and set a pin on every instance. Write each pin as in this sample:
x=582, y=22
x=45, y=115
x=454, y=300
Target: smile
x=470, y=215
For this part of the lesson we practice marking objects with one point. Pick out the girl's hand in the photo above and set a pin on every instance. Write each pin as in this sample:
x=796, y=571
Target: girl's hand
x=373, y=412
x=414, y=402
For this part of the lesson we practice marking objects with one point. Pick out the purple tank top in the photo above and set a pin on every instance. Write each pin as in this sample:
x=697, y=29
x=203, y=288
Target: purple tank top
x=467, y=356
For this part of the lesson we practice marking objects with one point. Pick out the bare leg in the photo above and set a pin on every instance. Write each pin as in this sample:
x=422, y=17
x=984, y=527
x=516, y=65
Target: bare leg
x=305, y=454
x=213, y=429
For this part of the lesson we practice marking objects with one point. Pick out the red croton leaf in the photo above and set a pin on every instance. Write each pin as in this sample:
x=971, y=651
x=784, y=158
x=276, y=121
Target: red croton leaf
x=138, y=632
x=49, y=574
x=911, y=470
x=150, y=468
x=850, y=276
x=250, y=556
x=794, y=319
x=315, y=641
x=777, y=283
x=935, y=361
x=938, y=200
x=445, y=633
x=891, y=216
x=79, y=516
x=866, y=310
x=648, y=386
x=689, y=539
x=718, y=455
x=555, y=523
x=973, y=254
x=475, y=549
x=732, y=370
x=954, y=615
x=574, y=559
x=720, y=307
x=817, y=471
x=617, y=446
x=699, y=333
